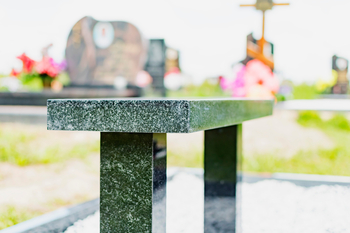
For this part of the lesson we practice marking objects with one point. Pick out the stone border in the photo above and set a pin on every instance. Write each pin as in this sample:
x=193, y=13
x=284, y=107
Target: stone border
x=56, y=221
x=336, y=105
x=305, y=180
x=61, y=219
x=23, y=114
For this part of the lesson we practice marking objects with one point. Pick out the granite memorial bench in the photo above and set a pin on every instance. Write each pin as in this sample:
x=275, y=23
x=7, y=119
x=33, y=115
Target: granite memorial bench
x=133, y=154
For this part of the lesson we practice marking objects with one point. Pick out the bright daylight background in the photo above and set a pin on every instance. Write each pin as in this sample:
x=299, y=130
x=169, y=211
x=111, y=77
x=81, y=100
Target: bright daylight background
x=41, y=170
x=211, y=35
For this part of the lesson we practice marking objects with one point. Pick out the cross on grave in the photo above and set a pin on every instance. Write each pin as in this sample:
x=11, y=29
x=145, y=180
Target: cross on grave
x=258, y=52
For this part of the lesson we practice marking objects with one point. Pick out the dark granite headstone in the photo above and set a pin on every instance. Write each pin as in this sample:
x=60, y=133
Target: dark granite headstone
x=155, y=65
x=99, y=51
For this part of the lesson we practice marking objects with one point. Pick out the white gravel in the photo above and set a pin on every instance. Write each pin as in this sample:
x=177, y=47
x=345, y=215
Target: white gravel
x=267, y=206
x=90, y=224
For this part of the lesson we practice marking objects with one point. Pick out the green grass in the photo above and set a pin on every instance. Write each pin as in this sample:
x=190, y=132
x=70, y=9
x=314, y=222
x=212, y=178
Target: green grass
x=21, y=148
x=27, y=147
x=207, y=89
x=304, y=91
x=190, y=159
x=11, y=216
x=325, y=162
x=334, y=161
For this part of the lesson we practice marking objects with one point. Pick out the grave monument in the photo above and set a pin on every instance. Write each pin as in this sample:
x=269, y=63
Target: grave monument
x=261, y=49
x=99, y=52
x=340, y=66
x=103, y=59
x=161, y=59
x=155, y=64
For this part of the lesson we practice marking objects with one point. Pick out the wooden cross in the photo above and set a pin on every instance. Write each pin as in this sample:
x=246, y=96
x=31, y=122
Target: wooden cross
x=262, y=5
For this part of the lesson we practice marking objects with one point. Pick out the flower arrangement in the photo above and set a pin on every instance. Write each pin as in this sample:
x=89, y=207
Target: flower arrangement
x=254, y=80
x=47, y=71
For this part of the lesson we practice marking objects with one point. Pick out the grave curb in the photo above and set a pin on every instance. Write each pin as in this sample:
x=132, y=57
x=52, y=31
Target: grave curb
x=59, y=220
x=56, y=221
x=305, y=180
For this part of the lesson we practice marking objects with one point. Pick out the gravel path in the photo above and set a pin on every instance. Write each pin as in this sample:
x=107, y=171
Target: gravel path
x=268, y=206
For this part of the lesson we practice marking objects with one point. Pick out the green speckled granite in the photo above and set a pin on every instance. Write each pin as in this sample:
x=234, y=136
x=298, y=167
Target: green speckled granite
x=126, y=184
x=133, y=155
x=152, y=115
x=133, y=183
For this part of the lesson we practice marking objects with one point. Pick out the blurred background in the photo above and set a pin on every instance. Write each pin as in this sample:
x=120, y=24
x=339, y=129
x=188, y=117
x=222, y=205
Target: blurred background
x=135, y=48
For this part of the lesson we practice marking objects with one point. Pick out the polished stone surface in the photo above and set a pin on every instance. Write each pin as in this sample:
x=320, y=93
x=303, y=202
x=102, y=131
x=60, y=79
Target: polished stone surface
x=99, y=51
x=152, y=115
x=222, y=159
x=133, y=154
x=159, y=183
x=133, y=182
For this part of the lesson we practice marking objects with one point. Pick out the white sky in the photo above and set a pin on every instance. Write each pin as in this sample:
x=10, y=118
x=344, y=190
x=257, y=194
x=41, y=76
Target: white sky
x=210, y=34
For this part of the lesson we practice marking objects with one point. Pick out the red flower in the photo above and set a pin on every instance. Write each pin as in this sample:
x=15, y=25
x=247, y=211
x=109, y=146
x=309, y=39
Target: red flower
x=47, y=66
x=172, y=70
x=27, y=63
x=14, y=73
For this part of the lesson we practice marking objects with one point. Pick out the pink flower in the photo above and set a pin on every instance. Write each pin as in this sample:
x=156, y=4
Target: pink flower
x=48, y=66
x=225, y=83
x=233, y=79
x=239, y=83
x=255, y=80
x=63, y=65
x=257, y=73
x=143, y=79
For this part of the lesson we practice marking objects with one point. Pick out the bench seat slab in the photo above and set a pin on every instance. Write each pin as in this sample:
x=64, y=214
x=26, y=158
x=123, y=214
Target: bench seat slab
x=152, y=116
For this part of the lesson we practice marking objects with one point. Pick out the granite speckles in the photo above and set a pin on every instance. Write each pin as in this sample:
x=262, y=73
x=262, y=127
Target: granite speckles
x=152, y=116
x=133, y=155
x=142, y=116
x=133, y=182
x=126, y=182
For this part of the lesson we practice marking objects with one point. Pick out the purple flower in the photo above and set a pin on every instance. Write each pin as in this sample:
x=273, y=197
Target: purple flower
x=63, y=65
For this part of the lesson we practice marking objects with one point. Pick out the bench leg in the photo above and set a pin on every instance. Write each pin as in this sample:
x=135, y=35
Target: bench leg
x=222, y=159
x=133, y=183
